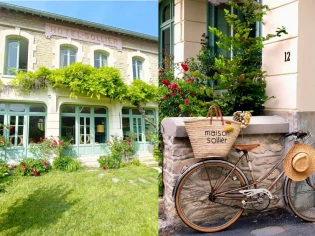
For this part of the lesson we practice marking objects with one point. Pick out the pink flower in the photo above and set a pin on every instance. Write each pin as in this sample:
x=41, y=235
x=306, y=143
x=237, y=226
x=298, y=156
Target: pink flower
x=184, y=66
x=35, y=172
x=186, y=101
x=45, y=163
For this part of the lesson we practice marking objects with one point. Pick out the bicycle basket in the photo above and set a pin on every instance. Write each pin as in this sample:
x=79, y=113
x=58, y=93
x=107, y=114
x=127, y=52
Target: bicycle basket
x=212, y=137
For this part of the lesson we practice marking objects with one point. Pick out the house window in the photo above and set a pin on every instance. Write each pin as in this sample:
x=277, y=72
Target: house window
x=16, y=54
x=166, y=30
x=137, y=69
x=26, y=123
x=68, y=55
x=100, y=59
x=84, y=125
x=216, y=18
x=134, y=123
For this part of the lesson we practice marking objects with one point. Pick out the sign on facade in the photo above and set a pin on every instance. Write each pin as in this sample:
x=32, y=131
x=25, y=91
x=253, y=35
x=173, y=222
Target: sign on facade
x=63, y=31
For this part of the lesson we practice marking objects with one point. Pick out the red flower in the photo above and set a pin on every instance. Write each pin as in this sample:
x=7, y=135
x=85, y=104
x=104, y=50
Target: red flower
x=45, y=163
x=184, y=66
x=35, y=172
x=104, y=168
x=174, y=86
x=55, y=142
x=38, y=142
x=164, y=97
x=10, y=128
x=14, y=166
x=61, y=143
x=165, y=82
x=186, y=101
x=190, y=81
x=172, y=94
x=23, y=164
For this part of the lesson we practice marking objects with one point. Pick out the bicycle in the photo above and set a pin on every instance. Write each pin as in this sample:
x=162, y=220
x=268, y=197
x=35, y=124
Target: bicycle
x=212, y=194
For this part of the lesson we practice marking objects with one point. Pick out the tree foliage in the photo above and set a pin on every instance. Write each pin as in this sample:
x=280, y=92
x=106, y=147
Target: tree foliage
x=241, y=75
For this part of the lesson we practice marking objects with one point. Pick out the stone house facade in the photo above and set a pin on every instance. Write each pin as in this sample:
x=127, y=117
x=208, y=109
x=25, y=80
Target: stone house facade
x=30, y=39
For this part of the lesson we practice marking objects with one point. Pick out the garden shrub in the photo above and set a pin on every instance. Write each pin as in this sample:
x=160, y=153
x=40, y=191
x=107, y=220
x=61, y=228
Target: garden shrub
x=32, y=167
x=4, y=173
x=66, y=164
x=158, y=156
x=121, y=150
x=50, y=146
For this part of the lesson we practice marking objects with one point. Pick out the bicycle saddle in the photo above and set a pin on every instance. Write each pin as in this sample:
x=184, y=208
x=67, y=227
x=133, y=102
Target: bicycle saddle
x=246, y=147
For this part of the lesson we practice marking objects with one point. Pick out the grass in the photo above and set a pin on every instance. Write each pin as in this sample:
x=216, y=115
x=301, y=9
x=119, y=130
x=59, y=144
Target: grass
x=82, y=203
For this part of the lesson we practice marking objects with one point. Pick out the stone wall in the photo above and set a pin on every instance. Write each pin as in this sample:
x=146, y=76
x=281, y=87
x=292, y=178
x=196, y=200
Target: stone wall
x=178, y=155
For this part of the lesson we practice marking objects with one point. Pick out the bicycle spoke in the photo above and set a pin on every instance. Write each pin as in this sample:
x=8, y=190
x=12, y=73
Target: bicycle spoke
x=197, y=204
x=227, y=204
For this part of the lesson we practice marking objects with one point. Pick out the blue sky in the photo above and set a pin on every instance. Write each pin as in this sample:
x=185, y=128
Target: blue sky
x=138, y=16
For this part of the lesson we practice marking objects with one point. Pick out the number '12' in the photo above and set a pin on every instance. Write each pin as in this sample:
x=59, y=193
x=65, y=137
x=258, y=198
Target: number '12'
x=287, y=56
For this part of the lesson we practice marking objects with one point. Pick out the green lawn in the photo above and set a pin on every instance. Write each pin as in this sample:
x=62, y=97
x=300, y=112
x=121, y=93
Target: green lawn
x=82, y=203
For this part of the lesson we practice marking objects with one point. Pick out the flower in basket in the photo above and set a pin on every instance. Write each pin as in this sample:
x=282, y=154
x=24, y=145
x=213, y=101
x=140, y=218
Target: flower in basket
x=229, y=128
x=243, y=117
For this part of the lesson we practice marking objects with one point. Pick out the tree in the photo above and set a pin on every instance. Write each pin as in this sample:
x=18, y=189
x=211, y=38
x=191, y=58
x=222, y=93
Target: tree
x=241, y=74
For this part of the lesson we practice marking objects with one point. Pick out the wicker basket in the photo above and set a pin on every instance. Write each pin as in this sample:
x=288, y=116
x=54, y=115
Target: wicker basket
x=208, y=136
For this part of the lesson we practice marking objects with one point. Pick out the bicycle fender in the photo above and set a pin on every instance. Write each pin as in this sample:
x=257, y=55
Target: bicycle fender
x=200, y=163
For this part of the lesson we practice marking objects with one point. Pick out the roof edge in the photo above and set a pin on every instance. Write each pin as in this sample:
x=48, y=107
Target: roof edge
x=76, y=21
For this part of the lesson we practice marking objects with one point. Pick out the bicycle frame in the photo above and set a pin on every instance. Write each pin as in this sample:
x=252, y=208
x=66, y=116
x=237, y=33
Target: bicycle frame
x=254, y=181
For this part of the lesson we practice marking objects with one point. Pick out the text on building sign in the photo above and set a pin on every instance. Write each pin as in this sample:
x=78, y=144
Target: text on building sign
x=63, y=31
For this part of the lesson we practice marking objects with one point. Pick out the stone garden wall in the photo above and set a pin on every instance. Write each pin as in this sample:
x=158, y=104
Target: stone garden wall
x=268, y=131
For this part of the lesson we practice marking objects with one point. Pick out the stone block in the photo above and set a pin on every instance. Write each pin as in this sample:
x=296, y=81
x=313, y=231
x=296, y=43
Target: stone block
x=275, y=147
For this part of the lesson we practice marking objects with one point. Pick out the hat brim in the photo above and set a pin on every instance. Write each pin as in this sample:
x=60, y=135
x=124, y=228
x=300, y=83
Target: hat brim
x=287, y=162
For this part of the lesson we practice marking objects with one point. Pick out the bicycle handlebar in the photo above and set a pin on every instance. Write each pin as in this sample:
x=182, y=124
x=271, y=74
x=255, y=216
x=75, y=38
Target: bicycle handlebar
x=299, y=134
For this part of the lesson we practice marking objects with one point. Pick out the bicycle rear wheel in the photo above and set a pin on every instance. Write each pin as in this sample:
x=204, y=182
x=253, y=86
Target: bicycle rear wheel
x=301, y=197
x=202, y=200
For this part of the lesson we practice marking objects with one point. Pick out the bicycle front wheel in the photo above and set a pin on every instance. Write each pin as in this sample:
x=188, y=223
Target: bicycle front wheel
x=207, y=198
x=301, y=197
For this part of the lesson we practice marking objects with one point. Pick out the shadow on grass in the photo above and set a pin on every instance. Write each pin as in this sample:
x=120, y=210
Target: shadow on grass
x=40, y=209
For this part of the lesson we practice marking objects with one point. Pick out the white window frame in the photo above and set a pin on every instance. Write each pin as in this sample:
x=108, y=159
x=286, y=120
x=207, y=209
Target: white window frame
x=68, y=48
x=101, y=54
x=56, y=51
x=111, y=60
x=135, y=65
x=31, y=60
x=146, y=66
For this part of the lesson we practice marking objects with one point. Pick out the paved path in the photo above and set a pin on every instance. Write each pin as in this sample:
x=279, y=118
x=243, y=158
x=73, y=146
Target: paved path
x=273, y=223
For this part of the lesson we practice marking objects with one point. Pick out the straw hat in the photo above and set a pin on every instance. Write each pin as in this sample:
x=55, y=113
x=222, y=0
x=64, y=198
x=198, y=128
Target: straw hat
x=299, y=163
